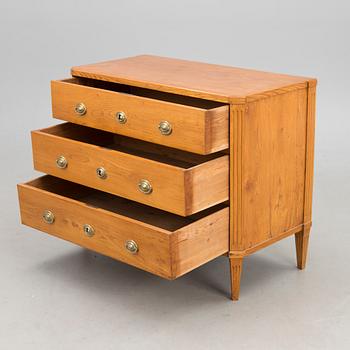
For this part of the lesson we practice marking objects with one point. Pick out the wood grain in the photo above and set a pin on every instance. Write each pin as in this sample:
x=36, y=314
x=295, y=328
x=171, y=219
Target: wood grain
x=241, y=138
x=237, y=115
x=195, y=129
x=310, y=142
x=236, y=265
x=200, y=242
x=202, y=80
x=273, y=167
x=301, y=246
x=207, y=184
x=179, y=190
x=267, y=242
x=302, y=238
x=168, y=254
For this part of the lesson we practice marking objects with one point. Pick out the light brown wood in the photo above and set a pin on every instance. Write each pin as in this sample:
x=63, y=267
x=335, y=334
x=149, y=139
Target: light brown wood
x=241, y=138
x=199, y=242
x=236, y=265
x=302, y=238
x=200, y=130
x=301, y=245
x=182, y=245
x=203, y=80
x=268, y=168
x=237, y=114
x=267, y=242
x=184, y=185
x=310, y=141
x=271, y=171
x=207, y=184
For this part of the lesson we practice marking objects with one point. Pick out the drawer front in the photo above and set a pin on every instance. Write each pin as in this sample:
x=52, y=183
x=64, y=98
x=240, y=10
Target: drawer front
x=178, y=190
x=163, y=252
x=189, y=128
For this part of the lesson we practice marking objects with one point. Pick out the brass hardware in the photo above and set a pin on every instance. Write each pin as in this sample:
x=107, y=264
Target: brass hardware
x=145, y=187
x=165, y=127
x=121, y=117
x=48, y=217
x=101, y=173
x=131, y=246
x=61, y=162
x=88, y=230
x=80, y=108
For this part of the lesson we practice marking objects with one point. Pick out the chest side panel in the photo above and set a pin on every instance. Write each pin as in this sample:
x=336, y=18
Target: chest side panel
x=273, y=148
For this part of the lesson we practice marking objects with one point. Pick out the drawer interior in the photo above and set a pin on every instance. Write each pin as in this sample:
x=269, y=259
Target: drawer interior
x=129, y=145
x=118, y=205
x=142, y=92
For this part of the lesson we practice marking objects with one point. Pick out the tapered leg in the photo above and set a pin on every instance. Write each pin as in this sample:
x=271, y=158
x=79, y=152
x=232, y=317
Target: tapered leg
x=301, y=245
x=236, y=264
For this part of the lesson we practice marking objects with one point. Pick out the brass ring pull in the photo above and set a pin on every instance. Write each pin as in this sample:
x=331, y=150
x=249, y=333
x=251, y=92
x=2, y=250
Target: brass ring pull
x=145, y=186
x=121, y=117
x=165, y=128
x=80, y=108
x=131, y=246
x=48, y=216
x=61, y=162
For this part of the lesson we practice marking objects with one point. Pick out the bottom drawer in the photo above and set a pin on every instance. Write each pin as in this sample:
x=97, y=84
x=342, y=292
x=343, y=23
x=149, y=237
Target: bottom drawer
x=165, y=244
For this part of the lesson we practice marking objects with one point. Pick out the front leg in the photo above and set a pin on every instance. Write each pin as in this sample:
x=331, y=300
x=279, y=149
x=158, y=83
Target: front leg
x=236, y=264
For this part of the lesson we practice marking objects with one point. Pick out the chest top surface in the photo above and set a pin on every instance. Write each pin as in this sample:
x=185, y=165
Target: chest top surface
x=203, y=80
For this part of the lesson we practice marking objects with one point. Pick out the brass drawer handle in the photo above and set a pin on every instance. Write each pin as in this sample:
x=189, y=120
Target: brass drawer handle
x=121, y=117
x=61, y=162
x=131, y=246
x=145, y=186
x=101, y=173
x=165, y=128
x=88, y=230
x=48, y=216
x=80, y=108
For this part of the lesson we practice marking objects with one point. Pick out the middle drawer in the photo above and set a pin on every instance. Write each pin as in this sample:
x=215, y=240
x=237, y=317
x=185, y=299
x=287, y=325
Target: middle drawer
x=176, y=181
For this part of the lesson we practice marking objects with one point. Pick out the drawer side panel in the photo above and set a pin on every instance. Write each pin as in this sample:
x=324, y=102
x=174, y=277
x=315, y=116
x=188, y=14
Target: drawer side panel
x=207, y=184
x=200, y=242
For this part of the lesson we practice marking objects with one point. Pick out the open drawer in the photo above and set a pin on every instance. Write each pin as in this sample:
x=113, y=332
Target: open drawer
x=165, y=244
x=176, y=181
x=186, y=123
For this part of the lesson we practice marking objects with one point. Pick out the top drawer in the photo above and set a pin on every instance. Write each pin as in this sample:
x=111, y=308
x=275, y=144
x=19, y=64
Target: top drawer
x=186, y=123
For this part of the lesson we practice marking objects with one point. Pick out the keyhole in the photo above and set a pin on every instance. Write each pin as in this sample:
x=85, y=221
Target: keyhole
x=88, y=230
x=101, y=173
x=121, y=117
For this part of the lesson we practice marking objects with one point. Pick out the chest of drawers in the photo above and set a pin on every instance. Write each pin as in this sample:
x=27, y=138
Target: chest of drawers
x=166, y=164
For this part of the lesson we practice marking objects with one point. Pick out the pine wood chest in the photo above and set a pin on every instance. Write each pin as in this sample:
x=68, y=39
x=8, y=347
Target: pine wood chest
x=166, y=164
